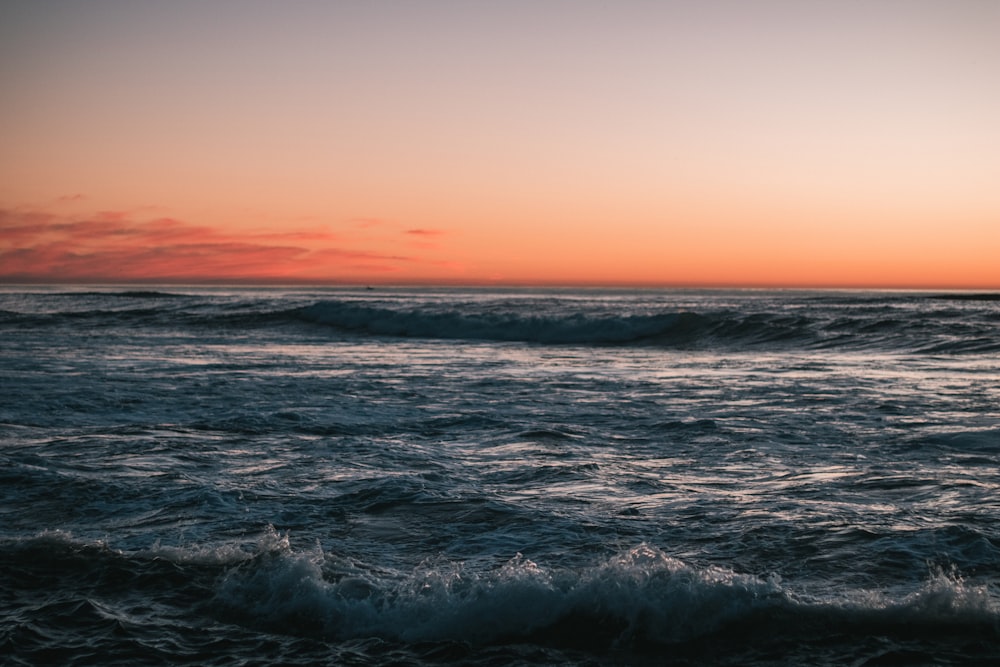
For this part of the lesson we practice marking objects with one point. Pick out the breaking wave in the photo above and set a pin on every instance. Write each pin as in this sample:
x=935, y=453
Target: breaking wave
x=639, y=600
x=640, y=597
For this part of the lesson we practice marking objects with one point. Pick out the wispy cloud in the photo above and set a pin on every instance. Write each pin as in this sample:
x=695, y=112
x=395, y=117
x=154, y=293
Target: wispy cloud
x=424, y=232
x=113, y=246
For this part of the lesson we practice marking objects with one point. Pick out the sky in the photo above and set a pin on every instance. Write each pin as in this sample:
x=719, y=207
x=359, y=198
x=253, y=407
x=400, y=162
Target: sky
x=715, y=143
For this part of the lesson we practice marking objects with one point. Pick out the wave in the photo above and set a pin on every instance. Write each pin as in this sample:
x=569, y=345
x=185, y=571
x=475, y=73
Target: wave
x=981, y=441
x=505, y=325
x=936, y=332
x=132, y=294
x=640, y=597
x=921, y=326
x=968, y=296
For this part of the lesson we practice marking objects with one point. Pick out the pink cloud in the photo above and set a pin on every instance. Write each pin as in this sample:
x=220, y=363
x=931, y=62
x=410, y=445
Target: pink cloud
x=113, y=246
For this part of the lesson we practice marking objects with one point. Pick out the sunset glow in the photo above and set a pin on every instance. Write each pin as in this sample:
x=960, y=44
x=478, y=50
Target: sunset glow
x=718, y=143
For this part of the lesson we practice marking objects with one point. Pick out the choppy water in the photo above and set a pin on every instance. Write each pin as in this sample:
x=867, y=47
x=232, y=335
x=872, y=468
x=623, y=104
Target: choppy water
x=432, y=477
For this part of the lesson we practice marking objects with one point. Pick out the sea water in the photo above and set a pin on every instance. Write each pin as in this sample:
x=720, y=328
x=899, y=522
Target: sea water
x=490, y=477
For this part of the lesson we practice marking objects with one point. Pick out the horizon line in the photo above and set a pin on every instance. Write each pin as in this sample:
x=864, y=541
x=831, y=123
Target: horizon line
x=487, y=284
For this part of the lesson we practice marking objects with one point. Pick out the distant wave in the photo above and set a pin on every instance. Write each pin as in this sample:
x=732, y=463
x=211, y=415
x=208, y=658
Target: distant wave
x=506, y=325
x=148, y=294
x=931, y=333
x=968, y=296
x=125, y=294
x=889, y=324
x=985, y=441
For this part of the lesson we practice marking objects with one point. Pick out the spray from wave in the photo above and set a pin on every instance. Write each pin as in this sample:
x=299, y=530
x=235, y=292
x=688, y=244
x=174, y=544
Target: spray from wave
x=640, y=597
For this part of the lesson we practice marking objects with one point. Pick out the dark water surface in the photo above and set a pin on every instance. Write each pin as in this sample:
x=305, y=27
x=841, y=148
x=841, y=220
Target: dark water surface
x=436, y=477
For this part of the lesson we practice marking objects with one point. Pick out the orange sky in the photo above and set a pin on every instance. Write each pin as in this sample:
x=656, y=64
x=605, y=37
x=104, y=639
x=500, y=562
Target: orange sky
x=658, y=143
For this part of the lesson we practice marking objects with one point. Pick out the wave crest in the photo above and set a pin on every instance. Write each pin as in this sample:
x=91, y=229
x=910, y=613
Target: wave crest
x=640, y=597
x=500, y=325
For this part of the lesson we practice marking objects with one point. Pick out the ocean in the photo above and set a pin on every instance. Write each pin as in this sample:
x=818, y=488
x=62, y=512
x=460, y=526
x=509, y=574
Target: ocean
x=351, y=476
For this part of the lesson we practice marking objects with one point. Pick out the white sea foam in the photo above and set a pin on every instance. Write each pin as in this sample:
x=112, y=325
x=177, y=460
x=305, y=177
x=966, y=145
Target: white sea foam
x=640, y=595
